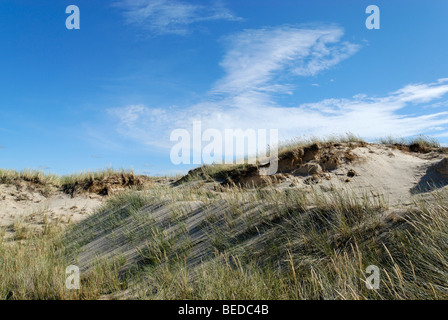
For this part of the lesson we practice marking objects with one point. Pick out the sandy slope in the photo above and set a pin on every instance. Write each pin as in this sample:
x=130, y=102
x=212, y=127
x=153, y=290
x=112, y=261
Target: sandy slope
x=393, y=173
x=397, y=175
x=19, y=204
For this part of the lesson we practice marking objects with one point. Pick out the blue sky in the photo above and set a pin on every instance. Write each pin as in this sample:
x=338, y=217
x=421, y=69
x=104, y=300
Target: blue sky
x=110, y=93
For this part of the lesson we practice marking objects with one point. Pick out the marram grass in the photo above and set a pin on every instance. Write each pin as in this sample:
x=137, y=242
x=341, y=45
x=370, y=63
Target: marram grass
x=294, y=246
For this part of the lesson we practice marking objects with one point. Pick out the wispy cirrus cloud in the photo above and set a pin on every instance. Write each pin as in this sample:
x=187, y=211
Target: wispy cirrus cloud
x=258, y=64
x=257, y=59
x=171, y=16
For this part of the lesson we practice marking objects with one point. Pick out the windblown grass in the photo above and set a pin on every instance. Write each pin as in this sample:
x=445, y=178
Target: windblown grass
x=40, y=177
x=302, y=142
x=86, y=177
x=267, y=244
x=33, y=176
x=35, y=268
x=319, y=253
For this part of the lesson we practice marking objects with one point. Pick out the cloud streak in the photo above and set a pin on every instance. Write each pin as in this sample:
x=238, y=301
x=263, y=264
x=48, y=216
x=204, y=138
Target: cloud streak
x=255, y=58
x=160, y=17
x=370, y=117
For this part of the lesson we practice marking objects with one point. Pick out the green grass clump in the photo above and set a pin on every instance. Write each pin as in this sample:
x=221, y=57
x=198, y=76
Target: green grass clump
x=303, y=142
x=42, y=178
x=33, y=176
x=74, y=182
x=87, y=177
x=422, y=141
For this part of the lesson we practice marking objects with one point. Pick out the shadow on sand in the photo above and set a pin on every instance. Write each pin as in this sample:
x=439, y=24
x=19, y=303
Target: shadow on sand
x=432, y=180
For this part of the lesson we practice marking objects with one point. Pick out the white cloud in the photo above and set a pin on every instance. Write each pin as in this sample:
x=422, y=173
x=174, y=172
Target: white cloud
x=255, y=58
x=363, y=115
x=257, y=66
x=171, y=16
x=421, y=93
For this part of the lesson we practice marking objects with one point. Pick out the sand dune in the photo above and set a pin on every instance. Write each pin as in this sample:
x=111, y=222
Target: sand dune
x=326, y=200
x=396, y=174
